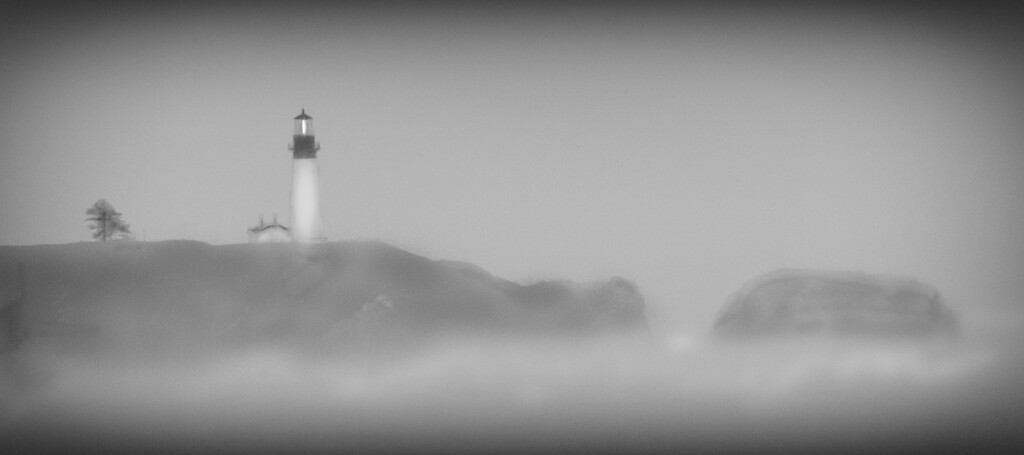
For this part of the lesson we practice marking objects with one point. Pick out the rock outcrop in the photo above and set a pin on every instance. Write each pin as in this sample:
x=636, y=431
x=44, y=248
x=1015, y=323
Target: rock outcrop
x=835, y=304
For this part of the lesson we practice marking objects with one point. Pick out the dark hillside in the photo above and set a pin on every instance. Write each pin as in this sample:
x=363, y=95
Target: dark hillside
x=186, y=297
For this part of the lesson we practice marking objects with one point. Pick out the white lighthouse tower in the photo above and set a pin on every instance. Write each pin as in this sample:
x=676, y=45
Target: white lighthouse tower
x=307, y=224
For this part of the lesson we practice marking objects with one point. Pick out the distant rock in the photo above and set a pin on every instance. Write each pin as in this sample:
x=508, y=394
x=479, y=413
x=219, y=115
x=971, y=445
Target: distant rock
x=836, y=304
x=184, y=296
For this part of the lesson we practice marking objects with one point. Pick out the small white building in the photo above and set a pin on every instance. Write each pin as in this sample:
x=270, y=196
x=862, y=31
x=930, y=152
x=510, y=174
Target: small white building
x=269, y=233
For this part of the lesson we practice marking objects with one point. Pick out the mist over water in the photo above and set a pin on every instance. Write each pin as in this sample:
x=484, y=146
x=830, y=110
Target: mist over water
x=602, y=393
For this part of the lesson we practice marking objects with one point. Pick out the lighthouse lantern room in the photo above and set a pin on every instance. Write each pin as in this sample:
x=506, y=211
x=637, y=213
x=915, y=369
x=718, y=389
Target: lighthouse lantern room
x=303, y=139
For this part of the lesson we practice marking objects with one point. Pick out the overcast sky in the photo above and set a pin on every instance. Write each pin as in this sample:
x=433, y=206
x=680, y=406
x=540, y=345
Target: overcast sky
x=686, y=148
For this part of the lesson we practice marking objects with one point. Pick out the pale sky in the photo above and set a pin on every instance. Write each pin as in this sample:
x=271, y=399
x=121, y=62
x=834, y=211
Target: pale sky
x=688, y=149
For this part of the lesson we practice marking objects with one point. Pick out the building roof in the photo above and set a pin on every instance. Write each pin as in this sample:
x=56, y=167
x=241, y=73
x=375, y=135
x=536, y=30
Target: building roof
x=267, y=227
x=303, y=116
x=263, y=226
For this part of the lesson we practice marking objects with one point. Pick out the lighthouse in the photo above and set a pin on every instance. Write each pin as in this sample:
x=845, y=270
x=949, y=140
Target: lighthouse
x=307, y=224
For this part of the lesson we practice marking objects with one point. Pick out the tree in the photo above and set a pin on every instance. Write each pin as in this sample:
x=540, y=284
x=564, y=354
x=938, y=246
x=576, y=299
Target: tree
x=106, y=221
